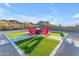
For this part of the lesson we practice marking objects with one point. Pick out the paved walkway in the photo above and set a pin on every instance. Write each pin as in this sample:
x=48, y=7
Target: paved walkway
x=70, y=47
x=55, y=37
x=3, y=40
x=7, y=49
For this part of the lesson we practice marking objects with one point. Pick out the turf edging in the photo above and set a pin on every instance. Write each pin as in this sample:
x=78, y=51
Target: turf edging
x=58, y=46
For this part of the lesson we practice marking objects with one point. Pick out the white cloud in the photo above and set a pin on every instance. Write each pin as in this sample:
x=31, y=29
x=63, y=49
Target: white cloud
x=76, y=16
x=11, y=18
x=7, y=4
x=54, y=23
x=24, y=18
x=2, y=11
x=76, y=21
x=34, y=19
x=55, y=19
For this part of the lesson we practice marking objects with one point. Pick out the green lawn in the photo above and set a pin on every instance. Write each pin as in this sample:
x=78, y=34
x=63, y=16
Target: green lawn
x=57, y=34
x=37, y=46
x=11, y=35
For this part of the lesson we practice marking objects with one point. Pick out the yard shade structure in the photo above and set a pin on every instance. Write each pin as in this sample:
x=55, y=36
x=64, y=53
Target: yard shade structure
x=44, y=30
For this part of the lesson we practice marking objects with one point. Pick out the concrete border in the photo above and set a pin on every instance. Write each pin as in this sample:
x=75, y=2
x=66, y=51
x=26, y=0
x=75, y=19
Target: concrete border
x=58, y=46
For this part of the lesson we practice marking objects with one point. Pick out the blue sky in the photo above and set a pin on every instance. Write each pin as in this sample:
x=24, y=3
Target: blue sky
x=66, y=14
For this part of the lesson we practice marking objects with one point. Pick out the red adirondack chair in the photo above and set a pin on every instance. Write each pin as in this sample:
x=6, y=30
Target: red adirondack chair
x=44, y=30
x=32, y=31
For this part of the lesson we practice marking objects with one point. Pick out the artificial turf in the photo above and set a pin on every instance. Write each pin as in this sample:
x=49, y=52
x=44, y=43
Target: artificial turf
x=37, y=46
x=57, y=34
x=11, y=35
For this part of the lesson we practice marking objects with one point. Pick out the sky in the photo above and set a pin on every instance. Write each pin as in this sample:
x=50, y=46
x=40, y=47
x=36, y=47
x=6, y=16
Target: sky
x=55, y=13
